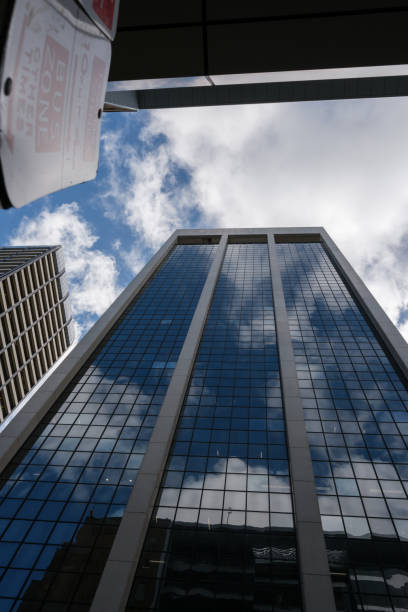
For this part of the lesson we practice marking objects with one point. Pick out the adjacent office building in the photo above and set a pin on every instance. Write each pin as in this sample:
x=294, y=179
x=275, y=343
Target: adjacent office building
x=231, y=435
x=35, y=319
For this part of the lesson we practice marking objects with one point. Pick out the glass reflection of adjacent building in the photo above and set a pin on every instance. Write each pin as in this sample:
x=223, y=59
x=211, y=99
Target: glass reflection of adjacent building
x=224, y=527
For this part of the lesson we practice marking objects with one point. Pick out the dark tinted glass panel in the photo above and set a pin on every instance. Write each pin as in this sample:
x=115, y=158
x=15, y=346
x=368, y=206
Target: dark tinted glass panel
x=355, y=406
x=63, y=495
x=221, y=535
x=369, y=575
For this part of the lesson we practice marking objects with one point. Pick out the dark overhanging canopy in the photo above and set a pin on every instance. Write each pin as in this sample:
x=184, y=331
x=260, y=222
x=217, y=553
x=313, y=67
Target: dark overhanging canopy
x=257, y=51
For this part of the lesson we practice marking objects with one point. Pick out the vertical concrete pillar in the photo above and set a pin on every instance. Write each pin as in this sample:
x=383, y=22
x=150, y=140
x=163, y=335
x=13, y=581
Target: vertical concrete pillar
x=116, y=581
x=317, y=590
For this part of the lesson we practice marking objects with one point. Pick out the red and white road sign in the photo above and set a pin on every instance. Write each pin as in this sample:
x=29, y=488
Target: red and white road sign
x=53, y=82
x=104, y=13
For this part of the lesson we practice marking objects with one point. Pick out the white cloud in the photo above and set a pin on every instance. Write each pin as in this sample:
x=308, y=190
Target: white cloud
x=146, y=192
x=134, y=258
x=339, y=164
x=152, y=211
x=92, y=275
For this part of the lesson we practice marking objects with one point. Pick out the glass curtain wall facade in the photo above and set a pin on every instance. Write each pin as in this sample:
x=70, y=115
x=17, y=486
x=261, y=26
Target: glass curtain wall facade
x=221, y=535
x=63, y=495
x=356, y=413
x=250, y=370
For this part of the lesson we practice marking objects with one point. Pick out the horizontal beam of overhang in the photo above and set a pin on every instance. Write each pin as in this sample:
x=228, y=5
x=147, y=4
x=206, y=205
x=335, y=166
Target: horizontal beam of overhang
x=260, y=93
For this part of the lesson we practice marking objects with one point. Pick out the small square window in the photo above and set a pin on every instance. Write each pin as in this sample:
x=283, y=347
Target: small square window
x=281, y=521
x=169, y=497
x=386, y=471
x=279, y=484
x=370, y=488
x=189, y=498
x=214, y=481
x=234, y=500
x=351, y=506
x=382, y=528
x=398, y=508
x=209, y=518
x=375, y=507
x=347, y=486
x=328, y=504
x=236, y=482
x=212, y=499
x=364, y=470
x=187, y=516
x=257, y=482
x=332, y=525
x=392, y=488
x=280, y=502
x=258, y=520
x=233, y=519
x=341, y=469
x=258, y=502
x=356, y=527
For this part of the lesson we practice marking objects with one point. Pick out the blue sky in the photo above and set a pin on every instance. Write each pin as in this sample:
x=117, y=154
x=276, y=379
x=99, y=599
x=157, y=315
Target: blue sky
x=338, y=164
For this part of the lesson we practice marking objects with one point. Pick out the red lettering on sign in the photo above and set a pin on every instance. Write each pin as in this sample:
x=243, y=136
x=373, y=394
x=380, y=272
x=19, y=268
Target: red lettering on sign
x=10, y=134
x=51, y=97
x=105, y=10
x=95, y=101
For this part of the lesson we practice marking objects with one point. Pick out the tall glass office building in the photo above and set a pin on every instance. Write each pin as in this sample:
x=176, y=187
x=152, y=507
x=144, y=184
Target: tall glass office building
x=231, y=435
